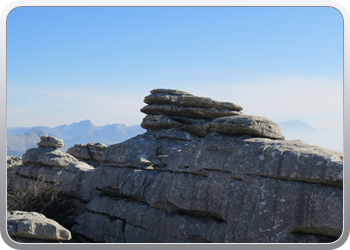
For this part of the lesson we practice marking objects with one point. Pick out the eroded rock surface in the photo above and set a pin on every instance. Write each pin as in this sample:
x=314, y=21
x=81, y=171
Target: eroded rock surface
x=35, y=226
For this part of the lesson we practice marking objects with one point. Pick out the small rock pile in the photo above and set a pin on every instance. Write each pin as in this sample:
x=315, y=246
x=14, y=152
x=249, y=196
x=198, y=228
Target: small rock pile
x=168, y=108
x=48, y=153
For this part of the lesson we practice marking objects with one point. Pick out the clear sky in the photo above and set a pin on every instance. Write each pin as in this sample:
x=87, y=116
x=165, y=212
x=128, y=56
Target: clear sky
x=67, y=64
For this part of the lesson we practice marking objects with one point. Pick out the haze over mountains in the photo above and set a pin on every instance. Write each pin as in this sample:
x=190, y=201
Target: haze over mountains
x=19, y=139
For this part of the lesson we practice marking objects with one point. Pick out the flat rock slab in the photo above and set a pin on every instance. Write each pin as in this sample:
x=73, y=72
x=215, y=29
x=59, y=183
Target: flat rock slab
x=35, y=225
x=189, y=101
x=170, y=91
x=195, y=112
x=50, y=141
x=246, y=125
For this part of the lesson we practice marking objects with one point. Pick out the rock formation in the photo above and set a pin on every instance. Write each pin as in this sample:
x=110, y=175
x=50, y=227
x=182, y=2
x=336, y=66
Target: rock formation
x=200, y=116
x=203, y=172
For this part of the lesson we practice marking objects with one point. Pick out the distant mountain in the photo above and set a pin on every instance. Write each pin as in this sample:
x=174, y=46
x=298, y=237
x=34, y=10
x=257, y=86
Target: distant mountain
x=18, y=144
x=325, y=137
x=19, y=139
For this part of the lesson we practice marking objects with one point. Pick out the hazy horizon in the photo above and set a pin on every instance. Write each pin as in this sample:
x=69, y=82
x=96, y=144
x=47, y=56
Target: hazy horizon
x=75, y=63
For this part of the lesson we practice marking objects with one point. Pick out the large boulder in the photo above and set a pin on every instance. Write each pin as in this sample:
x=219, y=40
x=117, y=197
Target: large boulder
x=36, y=226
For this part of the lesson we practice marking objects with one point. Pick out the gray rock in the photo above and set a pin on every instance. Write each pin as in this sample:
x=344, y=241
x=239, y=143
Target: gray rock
x=50, y=141
x=35, y=225
x=246, y=125
x=189, y=101
x=90, y=151
x=100, y=228
x=195, y=126
x=170, y=91
x=161, y=224
x=48, y=156
x=80, y=151
x=194, y=112
x=142, y=151
x=282, y=159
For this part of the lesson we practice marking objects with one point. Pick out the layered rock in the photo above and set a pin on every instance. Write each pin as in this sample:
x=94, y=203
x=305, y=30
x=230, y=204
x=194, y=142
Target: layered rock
x=34, y=227
x=201, y=116
x=48, y=153
x=90, y=153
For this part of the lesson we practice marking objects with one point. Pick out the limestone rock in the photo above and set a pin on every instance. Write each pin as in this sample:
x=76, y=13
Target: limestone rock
x=91, y=153
x=48, y=156
x=195, y=126
x=195, y=112
x=80, y=151
x=245, y=155
x=189, y=101
x=246, y=125
x=35, y=225
x=50, y=141
x=170, y=91
x=143, y=150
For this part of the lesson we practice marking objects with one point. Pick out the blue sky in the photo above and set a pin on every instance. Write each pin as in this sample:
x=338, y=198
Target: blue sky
x=70, y=64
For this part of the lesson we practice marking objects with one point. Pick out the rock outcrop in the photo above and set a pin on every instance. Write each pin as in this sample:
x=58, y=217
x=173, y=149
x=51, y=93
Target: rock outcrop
x=198, y=177
x=31, y=227
x=201, y=116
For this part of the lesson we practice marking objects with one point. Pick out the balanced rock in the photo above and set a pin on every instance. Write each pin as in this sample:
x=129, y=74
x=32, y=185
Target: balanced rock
x=50, y=141
x=246, y=125
x=35, y=226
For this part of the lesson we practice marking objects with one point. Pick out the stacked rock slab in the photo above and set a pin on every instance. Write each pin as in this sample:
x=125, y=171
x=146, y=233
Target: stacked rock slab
x=168, y=108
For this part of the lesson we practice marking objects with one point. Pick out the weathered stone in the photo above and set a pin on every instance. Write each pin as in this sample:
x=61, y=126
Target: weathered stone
x=282, y=159
x=100, y=228
x=48, y=156
x=179, y=228
x=97, y=150
x=90, y=151
x=141, y=151
x=79, y=166
x=50, y=141
x=195, y=112
x=80, y=151
x=246, y=125
x=189, y=101
x=157, y=122
x=35, y=225
x=170, y=91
